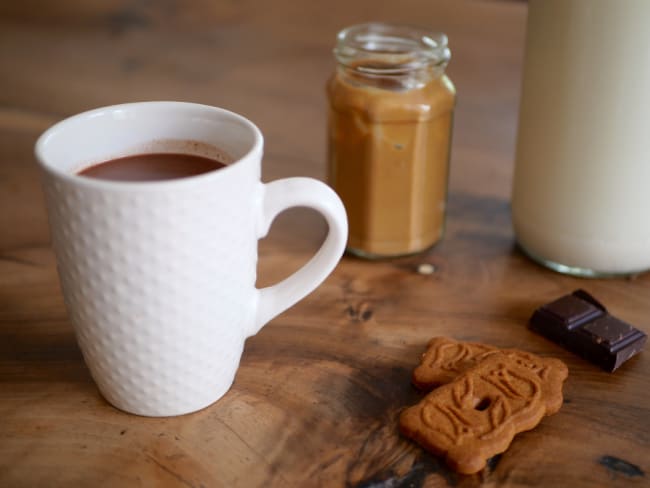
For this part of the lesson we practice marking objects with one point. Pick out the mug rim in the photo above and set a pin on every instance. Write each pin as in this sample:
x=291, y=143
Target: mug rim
x=39, y=147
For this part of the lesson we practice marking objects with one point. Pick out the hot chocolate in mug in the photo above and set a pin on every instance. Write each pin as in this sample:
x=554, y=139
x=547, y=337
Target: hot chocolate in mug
x=159, y=276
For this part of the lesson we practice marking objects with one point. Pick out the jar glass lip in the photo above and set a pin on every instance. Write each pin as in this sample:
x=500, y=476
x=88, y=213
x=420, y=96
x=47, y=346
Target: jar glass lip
x=382, y=48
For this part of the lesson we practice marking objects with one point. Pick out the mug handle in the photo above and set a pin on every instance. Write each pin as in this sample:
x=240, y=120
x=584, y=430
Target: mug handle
x=280, y=195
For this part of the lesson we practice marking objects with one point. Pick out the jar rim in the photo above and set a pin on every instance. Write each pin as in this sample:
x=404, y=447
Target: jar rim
x=383, y=48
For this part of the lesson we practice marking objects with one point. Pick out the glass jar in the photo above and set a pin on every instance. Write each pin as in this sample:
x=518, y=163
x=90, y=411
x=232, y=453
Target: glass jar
x=390, y=124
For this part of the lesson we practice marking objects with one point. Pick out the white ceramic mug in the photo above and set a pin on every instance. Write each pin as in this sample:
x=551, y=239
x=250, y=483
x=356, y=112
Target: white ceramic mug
x=159, y=277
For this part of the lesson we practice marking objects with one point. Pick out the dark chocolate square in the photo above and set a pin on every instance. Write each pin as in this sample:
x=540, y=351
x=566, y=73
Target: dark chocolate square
x=572, y=311
x=608, y=330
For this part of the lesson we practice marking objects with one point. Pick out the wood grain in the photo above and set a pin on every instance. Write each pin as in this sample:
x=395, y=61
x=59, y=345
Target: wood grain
x=317, y=395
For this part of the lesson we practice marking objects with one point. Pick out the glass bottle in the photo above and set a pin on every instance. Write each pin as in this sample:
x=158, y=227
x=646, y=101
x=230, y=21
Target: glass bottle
x=580, y=200
x=390, y=124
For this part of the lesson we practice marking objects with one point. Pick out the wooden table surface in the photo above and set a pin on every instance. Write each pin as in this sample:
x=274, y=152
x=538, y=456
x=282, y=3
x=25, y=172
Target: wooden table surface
x=319, y=389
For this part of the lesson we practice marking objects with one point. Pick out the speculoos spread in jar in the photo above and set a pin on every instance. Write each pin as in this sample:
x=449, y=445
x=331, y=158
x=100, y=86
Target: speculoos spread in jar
x=390, y=123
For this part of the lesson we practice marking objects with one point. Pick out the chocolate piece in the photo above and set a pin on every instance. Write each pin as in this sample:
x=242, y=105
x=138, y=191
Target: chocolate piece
x=582, y=325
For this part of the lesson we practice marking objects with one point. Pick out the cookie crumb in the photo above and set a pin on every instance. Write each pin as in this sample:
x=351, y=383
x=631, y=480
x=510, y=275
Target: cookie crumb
x=426, y=269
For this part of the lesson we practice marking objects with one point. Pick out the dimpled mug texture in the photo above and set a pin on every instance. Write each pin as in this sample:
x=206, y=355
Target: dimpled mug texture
x=158, y=329
x=159, y=277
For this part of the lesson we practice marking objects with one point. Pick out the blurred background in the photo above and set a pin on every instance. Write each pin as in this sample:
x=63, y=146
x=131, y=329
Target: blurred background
x=268, y=60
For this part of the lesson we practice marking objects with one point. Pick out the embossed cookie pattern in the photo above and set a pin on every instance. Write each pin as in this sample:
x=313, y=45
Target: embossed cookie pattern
x=445, y=359
x=477, y=415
